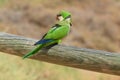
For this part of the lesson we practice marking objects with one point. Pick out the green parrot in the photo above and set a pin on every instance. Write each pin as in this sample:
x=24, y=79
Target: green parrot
x=55, y=34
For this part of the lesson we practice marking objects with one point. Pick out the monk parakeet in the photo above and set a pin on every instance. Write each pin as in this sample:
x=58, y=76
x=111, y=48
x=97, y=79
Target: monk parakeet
x=55, y=34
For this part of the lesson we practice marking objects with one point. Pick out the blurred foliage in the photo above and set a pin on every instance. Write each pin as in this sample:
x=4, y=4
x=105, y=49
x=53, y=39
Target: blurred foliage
x=2, y=2
x=95, y=25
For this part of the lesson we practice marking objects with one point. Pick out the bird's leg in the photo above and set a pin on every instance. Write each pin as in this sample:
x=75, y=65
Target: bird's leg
x=46, y=49
x=50, y=46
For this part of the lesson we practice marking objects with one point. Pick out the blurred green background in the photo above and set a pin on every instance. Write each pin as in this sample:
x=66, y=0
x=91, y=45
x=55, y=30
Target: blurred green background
x=96, y=25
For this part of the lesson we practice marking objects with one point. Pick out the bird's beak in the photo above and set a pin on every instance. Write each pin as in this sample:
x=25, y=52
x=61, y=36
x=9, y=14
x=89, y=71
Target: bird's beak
x=57, y=17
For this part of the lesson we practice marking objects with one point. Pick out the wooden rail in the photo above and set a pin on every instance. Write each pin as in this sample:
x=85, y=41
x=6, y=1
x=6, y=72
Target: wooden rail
x=89, y=59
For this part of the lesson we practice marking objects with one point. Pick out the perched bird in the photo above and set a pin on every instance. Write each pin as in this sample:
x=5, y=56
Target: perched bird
x=55, y=34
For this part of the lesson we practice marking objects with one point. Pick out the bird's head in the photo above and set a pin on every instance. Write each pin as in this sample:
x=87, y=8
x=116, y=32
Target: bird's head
x=64, y=15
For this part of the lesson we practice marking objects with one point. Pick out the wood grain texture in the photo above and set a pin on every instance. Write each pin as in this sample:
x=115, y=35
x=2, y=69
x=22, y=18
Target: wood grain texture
x=82, y=58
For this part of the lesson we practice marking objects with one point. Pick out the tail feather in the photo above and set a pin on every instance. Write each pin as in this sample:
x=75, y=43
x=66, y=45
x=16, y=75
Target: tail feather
x=33, y=51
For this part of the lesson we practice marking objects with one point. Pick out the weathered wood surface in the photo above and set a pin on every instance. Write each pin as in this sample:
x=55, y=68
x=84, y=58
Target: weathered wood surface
x=88, y=59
